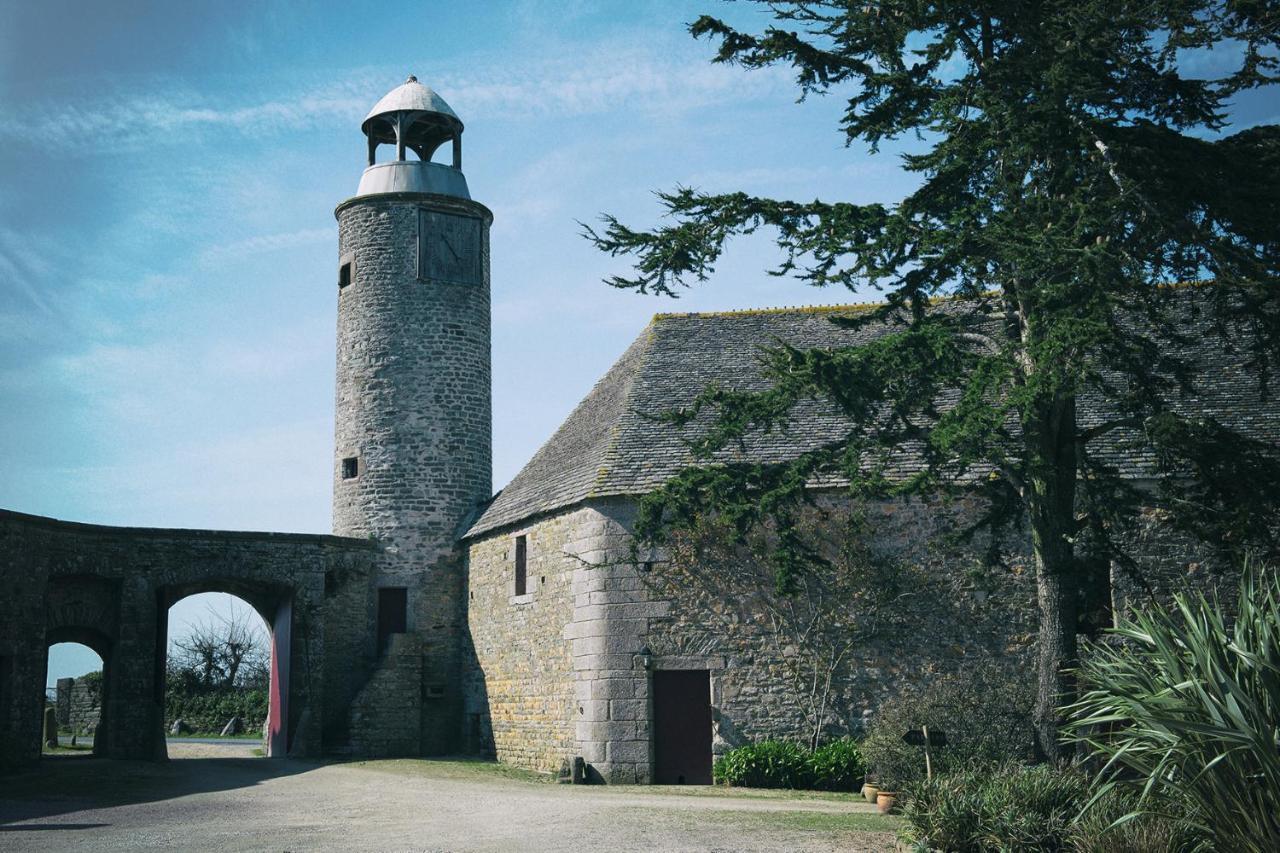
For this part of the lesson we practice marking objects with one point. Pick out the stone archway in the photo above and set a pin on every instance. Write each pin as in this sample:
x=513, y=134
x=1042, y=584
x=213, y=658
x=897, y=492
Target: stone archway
x=101, y=645
x=113, y=586
x=273, y=602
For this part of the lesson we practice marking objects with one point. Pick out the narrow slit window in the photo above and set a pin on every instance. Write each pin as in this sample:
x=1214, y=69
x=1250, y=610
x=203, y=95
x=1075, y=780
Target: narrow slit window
x=350, y=467
x=345, y=274
x=522, y=569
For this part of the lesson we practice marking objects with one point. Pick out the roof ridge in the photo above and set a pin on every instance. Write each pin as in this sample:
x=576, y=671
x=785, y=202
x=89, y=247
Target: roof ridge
x=864, y=306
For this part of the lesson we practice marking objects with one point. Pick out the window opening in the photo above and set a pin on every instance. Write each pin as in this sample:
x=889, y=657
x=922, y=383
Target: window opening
x=345, y=274
x=522, y=579
x=350, y=467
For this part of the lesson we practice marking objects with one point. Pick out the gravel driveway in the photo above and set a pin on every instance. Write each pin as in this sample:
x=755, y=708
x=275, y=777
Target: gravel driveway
x=229, y=804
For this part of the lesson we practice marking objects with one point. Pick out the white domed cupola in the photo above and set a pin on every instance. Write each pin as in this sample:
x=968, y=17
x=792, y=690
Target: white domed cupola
x=415, y=119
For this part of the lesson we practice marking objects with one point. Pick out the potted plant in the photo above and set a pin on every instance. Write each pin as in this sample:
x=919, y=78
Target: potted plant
x=870, y=788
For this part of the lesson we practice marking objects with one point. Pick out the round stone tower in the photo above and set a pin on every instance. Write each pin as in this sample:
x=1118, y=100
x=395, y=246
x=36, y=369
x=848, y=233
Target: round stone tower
x=413, y=448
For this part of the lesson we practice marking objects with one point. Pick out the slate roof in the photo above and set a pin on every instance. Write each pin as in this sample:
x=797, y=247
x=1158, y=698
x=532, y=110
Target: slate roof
x=608, y=446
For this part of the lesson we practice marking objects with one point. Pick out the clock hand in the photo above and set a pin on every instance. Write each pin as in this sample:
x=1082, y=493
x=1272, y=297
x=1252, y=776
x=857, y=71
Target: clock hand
x=449, y=246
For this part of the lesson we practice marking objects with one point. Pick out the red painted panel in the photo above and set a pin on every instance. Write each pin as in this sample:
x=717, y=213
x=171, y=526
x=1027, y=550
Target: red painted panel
x=278, y=714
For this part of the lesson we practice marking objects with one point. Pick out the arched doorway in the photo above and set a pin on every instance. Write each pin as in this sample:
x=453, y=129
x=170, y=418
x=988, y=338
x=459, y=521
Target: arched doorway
x=224, y=648
x=75, y=690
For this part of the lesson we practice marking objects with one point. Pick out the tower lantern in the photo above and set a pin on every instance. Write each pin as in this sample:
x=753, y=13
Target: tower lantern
x=415, y=119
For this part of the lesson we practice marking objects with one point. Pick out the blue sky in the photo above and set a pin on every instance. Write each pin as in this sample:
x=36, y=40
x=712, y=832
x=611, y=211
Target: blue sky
x=168, y=173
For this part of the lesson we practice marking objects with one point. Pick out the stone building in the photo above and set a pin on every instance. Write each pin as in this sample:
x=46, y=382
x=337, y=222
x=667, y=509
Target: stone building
x=440, y=618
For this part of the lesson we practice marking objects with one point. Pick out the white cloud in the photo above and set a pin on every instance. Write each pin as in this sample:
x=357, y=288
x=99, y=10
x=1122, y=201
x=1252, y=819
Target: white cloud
x=266, y=243
x=606, y=79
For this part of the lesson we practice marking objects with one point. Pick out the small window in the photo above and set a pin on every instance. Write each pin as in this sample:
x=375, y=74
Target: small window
x=345, y=273
x=350, y=467
x=522, y=577
x=392, y=614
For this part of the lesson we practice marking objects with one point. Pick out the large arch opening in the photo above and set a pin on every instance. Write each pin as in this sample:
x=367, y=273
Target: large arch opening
x=75, y=692
x=223, y=677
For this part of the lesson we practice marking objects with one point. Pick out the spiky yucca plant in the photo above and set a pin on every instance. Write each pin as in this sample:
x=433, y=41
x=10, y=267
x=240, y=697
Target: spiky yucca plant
x=1190, y=702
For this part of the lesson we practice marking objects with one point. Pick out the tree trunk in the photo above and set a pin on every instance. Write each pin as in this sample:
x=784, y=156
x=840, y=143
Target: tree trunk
x=1050, y=434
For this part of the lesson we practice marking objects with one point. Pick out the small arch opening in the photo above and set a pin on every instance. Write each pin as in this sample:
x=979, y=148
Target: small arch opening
x=75, y=697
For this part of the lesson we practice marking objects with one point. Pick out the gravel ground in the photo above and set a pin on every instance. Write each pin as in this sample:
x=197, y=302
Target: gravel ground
x=228, y=804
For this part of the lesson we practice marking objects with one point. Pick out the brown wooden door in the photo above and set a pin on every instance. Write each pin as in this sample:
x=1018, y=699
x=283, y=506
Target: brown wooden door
x=682, y=727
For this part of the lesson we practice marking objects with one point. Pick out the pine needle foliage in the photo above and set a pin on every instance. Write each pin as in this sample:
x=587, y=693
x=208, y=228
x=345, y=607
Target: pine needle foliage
x=1071, y=162
x=1188, y=704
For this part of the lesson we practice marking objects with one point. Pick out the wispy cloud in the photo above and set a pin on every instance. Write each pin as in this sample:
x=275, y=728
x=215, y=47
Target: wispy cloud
x=607, y=79
x=239, y=249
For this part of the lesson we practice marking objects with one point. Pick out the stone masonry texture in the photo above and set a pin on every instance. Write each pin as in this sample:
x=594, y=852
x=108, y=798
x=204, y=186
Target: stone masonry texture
x=79, y=705
x=111, y=588
x=562, y=673
x=413, y=408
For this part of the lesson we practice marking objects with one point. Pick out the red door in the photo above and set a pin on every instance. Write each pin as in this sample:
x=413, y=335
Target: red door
x=682, y=727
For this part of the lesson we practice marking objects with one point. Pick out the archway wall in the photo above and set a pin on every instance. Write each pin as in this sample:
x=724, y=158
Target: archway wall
x=111, y=587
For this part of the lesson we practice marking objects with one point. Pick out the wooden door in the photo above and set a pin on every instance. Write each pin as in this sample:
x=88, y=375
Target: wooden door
x=682, y=727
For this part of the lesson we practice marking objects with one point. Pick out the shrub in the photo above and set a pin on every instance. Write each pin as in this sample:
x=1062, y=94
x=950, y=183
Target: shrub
x=1189, y=703
x=984, y=711
x=767, y=764
x=1096, y=831
x=837, y=766
x=1010, y=808
x=207, y=709
x=834, y=766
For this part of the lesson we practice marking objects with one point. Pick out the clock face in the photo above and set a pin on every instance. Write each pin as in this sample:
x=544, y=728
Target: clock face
x=448, y=248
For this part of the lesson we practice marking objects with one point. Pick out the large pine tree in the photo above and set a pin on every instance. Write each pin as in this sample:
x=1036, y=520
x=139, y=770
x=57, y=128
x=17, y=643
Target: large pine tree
x=1071, y=166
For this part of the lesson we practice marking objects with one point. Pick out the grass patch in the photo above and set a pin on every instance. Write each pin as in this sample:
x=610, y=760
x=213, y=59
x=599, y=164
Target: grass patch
x=725, y=791
x=453, y=768
x=259, y=752
x=67, y=749
x=803, y=821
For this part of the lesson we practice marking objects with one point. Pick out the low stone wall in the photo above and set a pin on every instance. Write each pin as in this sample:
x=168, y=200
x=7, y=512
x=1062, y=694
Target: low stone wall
x=79, y=705
x=385, y=720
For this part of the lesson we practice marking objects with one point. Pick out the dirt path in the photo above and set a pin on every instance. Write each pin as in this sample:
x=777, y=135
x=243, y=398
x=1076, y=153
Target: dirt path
x=231, y=804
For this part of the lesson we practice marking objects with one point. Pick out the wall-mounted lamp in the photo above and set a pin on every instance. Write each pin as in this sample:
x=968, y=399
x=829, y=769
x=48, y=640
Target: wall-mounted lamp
x=646, y=657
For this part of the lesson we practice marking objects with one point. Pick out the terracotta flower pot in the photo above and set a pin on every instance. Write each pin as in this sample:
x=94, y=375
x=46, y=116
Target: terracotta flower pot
x=886, y=801
x=869, y=791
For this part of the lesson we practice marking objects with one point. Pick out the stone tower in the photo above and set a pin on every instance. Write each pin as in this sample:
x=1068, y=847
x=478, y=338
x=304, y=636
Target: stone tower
x=413, y=452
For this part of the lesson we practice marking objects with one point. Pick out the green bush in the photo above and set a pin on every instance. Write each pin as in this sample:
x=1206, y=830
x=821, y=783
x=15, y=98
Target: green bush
x=1187, y=705
x=1036, y=809
x=1008, y=808
x=767, y=764
x=1097, y=831
x=834, y=766
x=985, y=712
x=207, y=709
x=837, y=766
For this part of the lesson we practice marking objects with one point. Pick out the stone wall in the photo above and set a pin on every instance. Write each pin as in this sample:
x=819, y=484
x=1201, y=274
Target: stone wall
x=79, y=705
x=949, y=606
x=413, y=408
x=110, y=588
x=385, y=718
x=519, y=688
